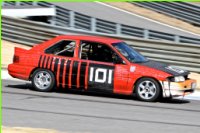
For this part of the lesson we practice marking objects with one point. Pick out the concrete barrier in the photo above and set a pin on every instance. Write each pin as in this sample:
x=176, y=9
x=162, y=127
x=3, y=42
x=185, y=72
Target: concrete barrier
x=183, y=55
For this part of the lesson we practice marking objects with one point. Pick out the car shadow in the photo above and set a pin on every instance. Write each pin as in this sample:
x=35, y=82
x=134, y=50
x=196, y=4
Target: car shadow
x=97, y=94
x=21, y=86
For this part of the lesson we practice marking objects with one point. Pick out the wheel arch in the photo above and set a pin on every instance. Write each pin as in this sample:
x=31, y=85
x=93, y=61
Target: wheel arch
x=30, y=76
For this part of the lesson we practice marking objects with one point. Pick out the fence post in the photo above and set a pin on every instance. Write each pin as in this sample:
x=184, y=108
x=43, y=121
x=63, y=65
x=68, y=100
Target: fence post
x=17, y=3
x=53, y=18
x=93, y=24
x=118, y=30
x=34, y=3
x=177, y=38
x=71, y=19
x=146, y=34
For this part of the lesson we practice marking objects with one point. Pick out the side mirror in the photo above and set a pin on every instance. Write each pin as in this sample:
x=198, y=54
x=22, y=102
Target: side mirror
x=117, y=59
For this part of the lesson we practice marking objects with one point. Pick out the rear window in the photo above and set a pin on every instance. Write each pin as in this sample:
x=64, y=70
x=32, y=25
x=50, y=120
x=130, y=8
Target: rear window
x=62, y=48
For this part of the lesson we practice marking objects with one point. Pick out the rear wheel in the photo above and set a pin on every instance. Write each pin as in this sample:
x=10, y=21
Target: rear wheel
x=147, y=89
x=43, y=80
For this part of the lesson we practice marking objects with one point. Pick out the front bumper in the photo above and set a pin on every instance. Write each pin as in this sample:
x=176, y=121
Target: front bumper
x=174, y=89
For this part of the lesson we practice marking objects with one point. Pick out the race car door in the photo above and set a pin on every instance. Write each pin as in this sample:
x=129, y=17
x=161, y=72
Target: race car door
x=62, y=62
x=103, y=74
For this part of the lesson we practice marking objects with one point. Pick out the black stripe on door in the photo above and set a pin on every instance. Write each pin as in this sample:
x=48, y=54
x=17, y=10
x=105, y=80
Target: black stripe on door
x=40, y=61
x=67, y=72
x=56, y=65
x=61, y=70
x=82, y=74
x=74, y=73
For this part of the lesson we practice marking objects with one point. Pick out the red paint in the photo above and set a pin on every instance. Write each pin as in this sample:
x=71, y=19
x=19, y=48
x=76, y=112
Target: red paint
x=86, y=76
x=41, y=61
x=45, y=62
x=52, y=67
x=49, y=63
x=124, y=79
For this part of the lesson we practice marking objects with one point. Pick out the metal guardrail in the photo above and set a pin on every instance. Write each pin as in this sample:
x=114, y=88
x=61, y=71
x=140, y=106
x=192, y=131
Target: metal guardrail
x=68, y=18
x=27, y=32
x=184, y=11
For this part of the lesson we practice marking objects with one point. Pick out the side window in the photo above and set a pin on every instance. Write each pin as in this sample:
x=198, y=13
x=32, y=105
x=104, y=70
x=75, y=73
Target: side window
x=96, y=52
x=62, y=48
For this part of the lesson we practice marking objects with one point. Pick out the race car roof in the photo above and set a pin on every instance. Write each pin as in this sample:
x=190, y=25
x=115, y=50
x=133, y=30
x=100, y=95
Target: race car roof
x=90, y=38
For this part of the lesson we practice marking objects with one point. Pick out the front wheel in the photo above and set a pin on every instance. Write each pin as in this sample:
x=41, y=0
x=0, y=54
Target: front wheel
x=43, y=80
x=147, y=89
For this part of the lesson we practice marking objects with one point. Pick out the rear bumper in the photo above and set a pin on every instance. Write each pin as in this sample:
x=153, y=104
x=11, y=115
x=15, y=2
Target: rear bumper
x=174, y=89
x=19, y=71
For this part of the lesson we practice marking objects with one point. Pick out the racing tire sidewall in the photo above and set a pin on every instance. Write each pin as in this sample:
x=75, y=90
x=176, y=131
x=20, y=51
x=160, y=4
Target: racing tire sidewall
x=157, y=94
x=52, y=83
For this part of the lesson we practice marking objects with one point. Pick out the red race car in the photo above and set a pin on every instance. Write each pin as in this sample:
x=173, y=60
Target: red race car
x=98, y=64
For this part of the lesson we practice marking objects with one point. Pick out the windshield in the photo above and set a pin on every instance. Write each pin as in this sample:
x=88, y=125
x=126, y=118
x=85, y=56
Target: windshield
x=129, y=53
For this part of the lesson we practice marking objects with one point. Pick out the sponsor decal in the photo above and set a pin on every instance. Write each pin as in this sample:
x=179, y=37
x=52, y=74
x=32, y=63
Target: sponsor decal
x=132, y=69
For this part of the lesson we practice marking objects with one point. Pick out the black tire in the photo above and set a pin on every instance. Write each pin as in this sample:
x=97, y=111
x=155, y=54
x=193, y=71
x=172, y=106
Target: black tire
x=37, y=80
x=148, y=93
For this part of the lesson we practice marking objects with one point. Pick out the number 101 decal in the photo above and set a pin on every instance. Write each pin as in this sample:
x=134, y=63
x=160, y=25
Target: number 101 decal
x=101, y=75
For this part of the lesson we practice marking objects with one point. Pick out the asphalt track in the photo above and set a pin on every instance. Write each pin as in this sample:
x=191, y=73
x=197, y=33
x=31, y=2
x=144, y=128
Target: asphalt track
x=100, y=11
x=96, y=113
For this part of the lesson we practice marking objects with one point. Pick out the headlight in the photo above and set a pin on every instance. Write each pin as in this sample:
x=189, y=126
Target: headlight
x=177, y=79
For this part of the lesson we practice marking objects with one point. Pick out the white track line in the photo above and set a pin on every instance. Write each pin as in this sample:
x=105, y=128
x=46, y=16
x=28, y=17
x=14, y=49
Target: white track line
x=146, y=18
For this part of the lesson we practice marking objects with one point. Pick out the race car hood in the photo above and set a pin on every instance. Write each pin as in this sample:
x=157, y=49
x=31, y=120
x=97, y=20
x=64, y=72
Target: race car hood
x=175, y=71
